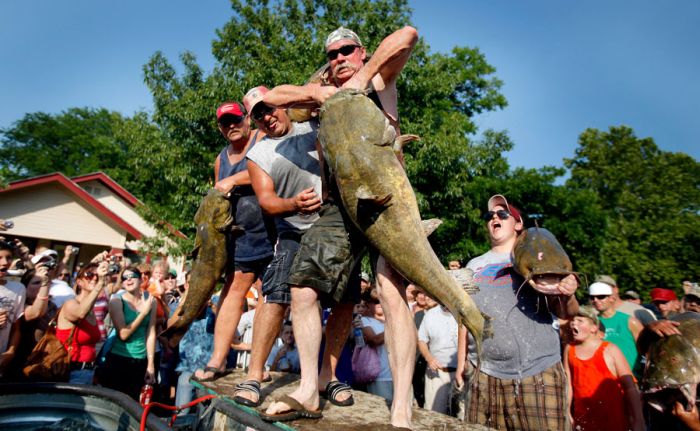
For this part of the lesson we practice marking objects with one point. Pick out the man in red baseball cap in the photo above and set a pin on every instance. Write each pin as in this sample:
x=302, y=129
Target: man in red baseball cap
x=249, y=250
x=666, y=301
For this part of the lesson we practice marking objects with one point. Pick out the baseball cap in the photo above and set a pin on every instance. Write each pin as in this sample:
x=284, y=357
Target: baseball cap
x=661, y=294
x=694, y=290
x=599, y=288
x=588, y=312
x=364, y=276
x=631, y=294
x=230, y=108
x=607, y=280
x=496, y=200
x=44, y=254
x=253, y=97
x=342, y=33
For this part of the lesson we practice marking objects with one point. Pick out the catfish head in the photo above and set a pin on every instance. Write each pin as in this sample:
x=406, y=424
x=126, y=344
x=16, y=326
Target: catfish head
x=672, y=373
x=538, y=256
x=213, y=216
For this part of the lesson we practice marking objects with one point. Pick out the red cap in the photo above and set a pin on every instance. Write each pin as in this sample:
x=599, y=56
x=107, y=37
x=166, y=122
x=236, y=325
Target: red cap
x=661, y=294
x=501, y=200
x=232, y=108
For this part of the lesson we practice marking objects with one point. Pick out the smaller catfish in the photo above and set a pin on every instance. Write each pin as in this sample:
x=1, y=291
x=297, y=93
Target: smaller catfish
x=672, y=371
x=541, y=260
x=213, y=220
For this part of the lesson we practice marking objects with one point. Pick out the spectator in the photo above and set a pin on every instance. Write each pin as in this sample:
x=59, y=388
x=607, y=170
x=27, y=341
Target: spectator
x=373, y=332
x=599, y=377
x=418, y=381
x=620, y=329
x=12, y=297
x=633, y=297
x=691, y=300
x=131, y=361
x=454, y=264
x=284, y=356
x=637, y=311
x=437, y=342
x=420, y=305
x=195, y=348
x=666, y=302
x=60, y=291
x=244, y=333
x=78, y=313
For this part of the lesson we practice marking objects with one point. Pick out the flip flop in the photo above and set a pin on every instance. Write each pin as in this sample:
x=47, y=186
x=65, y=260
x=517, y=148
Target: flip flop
x=216, y=374
x=296, y=411
x=250, y=386
x=333, y=389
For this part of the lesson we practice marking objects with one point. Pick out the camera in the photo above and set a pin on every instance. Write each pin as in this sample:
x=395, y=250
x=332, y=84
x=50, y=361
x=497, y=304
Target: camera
x=113, y=267
x=50, y=263
x=75, y=250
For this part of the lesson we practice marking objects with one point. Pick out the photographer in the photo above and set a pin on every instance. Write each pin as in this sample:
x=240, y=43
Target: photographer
x=59, y=291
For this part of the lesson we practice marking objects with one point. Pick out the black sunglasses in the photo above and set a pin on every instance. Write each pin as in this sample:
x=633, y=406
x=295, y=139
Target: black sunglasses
x=88, y=275
x=131, y=275
x=502, y=214
x=64, y=274
x=260, y=111
x=345, y=50
x=598, y=297
x=230, y=119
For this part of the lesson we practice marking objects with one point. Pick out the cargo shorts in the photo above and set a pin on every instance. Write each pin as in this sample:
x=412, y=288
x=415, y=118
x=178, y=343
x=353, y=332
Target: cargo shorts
x=329, y=256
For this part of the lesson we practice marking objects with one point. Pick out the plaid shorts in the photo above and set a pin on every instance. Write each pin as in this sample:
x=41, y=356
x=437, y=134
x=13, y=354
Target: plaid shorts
x=535, y=403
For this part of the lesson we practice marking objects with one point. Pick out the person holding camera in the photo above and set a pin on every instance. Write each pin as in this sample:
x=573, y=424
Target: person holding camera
x=77, y=326
x=59, y=291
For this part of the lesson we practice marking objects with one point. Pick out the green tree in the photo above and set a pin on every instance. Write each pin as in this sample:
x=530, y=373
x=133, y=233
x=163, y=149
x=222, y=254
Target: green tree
x=76, y=141
x=650, y=202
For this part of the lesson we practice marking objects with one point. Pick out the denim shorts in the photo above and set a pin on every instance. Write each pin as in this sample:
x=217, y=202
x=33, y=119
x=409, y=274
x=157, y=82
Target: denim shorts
x=275, y=287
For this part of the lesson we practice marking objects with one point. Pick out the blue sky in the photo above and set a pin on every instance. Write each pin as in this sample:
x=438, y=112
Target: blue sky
x=566, y=65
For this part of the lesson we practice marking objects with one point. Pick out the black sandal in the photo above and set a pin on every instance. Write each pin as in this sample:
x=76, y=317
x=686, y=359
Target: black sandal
x=333, y=389
x=250, y=386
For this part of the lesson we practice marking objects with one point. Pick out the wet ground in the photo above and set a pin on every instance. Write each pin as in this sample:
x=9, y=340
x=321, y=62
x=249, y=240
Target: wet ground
x=370, y=413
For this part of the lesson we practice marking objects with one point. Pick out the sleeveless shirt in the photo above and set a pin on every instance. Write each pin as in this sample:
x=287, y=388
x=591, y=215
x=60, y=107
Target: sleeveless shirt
x=254, y=242
x=598, y=402
x=135, y=346
x=617, y=331
x=84, y=340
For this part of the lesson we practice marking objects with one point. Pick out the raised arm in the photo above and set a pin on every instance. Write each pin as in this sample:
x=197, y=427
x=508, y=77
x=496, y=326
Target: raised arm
x=124, y=331
x=388, y=60
x=41, y=302
x=629, y=388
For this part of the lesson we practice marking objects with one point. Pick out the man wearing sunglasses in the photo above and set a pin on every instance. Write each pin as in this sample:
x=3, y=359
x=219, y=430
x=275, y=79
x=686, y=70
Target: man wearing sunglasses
x=620, y=329
x=349, y=66
x=521, y=365
x=249, y=249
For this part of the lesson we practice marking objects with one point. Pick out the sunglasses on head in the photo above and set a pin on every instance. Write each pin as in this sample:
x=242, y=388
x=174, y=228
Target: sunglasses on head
x=260, y=111
x=502, y=214
x=345, y=50
x=598, y=297
x=230, y=119
x=130, y=275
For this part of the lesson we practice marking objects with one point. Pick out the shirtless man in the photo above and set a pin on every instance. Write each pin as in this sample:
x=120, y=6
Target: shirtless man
x=348, y=67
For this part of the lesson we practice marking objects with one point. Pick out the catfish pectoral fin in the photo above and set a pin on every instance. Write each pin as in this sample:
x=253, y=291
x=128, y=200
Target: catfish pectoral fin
x=430, y=225
x=363, y=195
x=403, y=140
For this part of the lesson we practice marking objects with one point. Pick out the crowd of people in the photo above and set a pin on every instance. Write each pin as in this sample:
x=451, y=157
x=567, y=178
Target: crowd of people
x=294, y=268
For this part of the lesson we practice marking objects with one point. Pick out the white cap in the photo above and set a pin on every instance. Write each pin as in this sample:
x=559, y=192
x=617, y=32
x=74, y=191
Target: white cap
x=46, y=253
x=600, y=288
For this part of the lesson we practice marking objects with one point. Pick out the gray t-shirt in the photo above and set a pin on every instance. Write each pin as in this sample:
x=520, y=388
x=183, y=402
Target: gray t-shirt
x=637, y=311
x=292, y=163
x=524, y=341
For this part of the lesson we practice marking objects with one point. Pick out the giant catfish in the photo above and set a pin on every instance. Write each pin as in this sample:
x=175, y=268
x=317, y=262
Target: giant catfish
x=360, y=147
x=213, y=220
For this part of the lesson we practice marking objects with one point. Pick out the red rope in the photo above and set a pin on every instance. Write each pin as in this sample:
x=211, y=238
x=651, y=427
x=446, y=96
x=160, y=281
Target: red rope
x=176, y=409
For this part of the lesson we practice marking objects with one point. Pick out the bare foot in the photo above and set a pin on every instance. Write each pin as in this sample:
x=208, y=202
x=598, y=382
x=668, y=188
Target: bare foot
x=279, y=406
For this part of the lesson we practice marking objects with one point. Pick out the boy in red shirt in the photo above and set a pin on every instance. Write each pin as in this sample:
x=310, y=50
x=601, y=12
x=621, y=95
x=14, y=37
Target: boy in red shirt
x=602, y=393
